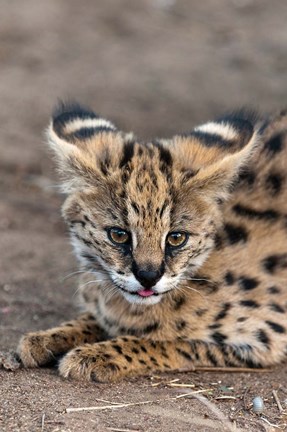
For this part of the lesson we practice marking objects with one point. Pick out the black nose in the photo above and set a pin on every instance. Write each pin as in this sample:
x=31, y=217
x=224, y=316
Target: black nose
x=148, y=278
x=147, y=274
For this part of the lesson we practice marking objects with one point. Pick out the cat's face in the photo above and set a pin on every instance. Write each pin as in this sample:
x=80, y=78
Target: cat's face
x=144, y=231
x=143, y=216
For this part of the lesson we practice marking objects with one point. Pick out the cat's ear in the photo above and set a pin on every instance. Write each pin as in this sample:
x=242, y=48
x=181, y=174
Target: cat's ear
x=78, y=138
x=213, y=154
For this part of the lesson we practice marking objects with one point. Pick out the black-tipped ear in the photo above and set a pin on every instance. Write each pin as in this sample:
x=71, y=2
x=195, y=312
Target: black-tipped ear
x=228, y=133
x=212, y=141
x=79, y=138
x=73, y=122
x=216, y=151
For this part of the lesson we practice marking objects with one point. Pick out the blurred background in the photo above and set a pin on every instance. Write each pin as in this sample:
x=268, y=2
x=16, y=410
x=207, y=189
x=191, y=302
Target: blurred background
x=156, y=67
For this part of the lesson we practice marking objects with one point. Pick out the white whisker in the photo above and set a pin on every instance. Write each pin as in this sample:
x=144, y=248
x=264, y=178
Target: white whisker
x=73, y=274
x=181, y=287
x=194, y=279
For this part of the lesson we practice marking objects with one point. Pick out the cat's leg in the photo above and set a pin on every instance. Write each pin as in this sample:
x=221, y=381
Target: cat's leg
x=43, y=347
x=116, y=358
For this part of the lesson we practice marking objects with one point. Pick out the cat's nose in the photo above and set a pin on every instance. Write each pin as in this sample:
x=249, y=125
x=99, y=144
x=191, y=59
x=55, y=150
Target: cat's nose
x=148, y=278
x=148, y=274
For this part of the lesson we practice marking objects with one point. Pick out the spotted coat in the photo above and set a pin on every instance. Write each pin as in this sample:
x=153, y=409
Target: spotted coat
x=220, y=299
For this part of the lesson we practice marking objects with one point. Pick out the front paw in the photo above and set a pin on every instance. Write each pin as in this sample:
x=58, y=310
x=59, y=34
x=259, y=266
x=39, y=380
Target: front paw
x=33, y=350
x=92, y=362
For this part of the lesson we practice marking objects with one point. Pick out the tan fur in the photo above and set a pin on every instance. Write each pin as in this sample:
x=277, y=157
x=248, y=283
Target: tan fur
x=227, y=305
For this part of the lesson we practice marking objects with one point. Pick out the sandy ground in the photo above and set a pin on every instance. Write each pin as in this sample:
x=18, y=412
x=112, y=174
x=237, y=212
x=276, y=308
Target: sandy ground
x=156, y=67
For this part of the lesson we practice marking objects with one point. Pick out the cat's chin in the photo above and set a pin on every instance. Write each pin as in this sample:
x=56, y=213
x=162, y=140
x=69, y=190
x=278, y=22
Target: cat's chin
x=135, y=298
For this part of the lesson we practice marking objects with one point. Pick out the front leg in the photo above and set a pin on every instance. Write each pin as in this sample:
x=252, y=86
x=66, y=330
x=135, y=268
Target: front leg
x=116, y=358
x=43, y=347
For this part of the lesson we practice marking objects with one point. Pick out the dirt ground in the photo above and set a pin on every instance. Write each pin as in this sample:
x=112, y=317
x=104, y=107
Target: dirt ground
x=156, y=67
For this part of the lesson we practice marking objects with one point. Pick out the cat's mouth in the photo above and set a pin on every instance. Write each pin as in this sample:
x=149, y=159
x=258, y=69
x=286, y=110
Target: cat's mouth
x=143, y=296
x=144, y=292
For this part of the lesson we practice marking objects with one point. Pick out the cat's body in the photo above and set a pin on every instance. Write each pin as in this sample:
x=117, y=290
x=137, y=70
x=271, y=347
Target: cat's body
x=179, y=271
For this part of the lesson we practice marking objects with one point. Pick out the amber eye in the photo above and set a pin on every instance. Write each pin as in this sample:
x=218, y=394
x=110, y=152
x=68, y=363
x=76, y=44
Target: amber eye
x=119, y=236
x=176, y=239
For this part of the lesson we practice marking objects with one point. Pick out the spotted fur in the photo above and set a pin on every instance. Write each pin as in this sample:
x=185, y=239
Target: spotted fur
x=221, y=298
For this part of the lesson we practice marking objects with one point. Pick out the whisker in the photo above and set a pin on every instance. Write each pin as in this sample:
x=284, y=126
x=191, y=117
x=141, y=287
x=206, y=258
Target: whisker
x=88, y=283
x=94, y=281
x=73, y=274
x=195, y=290
x=181, y=287
x=110, y=293
x=195, y=279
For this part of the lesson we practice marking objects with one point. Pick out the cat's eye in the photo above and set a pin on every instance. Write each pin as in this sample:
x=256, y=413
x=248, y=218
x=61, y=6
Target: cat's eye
x=176, y=239
x=119, y=236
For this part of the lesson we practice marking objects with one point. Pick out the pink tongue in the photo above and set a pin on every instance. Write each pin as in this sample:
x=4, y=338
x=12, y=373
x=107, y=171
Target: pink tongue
x=145, y=292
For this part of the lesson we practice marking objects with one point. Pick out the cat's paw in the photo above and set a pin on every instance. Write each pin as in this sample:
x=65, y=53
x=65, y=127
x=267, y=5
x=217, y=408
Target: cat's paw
x=41, y=348
x=93, y=362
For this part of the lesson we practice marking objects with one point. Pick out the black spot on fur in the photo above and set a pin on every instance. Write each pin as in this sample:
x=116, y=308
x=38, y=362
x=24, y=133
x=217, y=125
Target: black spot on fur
x=241, y=319
x=155, y=362
x=211, y=287
x=275, y=262
x=135, y=207
x=164, y=155
x=277, y=328
x=128, y=153
x=218, y=242
x=247, y=284
x=201, y=312
x=117, y=348
x=150, y=328
x=113, y=367
x=218, y=337
x=235, y=233
x=180, y=325
x=247, y=177
x=274, y=183
x=229, y=278
x=274, y=290
x=211, y=357
x=249, y=303
x=179, y=302
x=128, y=358
x=187, y=175
x=214, y=326
x=275, y=144
x=106, y=357
x=142, y=362
x=222, y=314
x=276, y=308
x=250, y=213
x=79, y=222
x=87, y=332
x=263, y=337
x=184, y=354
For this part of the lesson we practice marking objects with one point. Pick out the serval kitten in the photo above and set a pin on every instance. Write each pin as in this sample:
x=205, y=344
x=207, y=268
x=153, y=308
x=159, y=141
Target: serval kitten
x=182, y=243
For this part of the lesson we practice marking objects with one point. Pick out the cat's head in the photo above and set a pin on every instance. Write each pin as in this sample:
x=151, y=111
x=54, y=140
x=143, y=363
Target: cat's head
x=144, y=215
